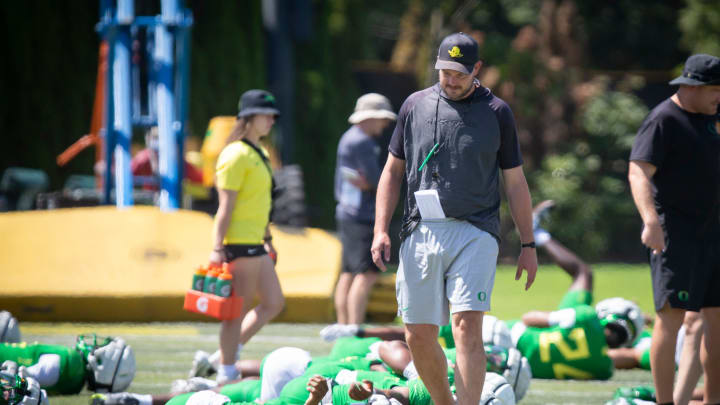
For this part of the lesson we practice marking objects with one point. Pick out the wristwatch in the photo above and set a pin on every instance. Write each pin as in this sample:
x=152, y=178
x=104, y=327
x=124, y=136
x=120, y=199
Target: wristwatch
x=528, y=245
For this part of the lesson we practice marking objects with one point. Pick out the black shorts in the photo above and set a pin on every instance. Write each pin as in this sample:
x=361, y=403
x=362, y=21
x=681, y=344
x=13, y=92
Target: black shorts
x=356, y=239
x=233, y=252
x=687, y=274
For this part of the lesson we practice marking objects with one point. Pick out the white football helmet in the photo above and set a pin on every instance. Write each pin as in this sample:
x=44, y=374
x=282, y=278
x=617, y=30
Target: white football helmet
x=623, y=313
x=9, y=330
x=35, y=395
x=495, y=332
x=496, y=391
x=112, y=367
x=518, y=373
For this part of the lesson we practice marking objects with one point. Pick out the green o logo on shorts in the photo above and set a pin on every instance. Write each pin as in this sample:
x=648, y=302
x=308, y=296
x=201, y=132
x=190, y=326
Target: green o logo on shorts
x=683, y=296
x=482, y=296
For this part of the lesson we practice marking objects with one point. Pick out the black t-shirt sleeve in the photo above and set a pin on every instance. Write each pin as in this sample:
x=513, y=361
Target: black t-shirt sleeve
x=509, y=155
x=649, y=144
x=397, y=141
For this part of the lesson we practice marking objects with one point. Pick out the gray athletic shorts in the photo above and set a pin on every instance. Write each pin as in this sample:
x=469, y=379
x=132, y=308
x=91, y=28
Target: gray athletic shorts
x=446, y=266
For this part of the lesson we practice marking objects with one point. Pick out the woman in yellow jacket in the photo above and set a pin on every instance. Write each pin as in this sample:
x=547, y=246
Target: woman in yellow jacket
x=240, y=234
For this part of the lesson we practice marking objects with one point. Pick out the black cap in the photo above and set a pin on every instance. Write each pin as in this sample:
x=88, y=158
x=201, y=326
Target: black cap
x=457, y=52
x=257, y=102
x=700, y=70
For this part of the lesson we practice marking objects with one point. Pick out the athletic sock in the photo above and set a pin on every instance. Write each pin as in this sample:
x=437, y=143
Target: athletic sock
x=226, y=373
x=410, y=371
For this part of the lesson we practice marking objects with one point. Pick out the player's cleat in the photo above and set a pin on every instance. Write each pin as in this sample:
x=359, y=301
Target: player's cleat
x=644, y=392
x=541, y=212
x=630, y=401
x=201, y=366
x=120, y=398
x=335, y=331
x=193, y=384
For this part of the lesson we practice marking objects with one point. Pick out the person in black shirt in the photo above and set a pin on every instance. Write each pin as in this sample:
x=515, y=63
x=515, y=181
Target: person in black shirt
x=674, y=176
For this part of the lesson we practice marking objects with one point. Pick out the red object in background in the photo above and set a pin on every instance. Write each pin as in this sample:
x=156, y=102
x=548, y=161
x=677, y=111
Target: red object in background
x=213, y=305
x=141, y=165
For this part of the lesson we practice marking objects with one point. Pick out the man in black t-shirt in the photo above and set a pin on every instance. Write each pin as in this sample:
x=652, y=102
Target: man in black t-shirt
x=675, y=180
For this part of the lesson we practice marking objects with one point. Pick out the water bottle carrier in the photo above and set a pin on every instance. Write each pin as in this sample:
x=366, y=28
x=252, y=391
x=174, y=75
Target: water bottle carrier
x=213, y=305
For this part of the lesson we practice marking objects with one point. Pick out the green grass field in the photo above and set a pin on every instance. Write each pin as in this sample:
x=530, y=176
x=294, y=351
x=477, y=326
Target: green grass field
x=164, y=351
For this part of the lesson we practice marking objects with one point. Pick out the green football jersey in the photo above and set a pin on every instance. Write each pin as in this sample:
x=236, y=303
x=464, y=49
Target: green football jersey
x=295, y=391
x=445, y=337
x=72, y=365
x=576, y=351
x=352, y=346
x=183, y=398
x=642, y=343
x=380, y=379
x=243, y=391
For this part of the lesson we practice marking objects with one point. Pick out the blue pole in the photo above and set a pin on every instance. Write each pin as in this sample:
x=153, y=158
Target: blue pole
x=168, y=153
x=181, y=83
x=123, y=102
x=107, y=13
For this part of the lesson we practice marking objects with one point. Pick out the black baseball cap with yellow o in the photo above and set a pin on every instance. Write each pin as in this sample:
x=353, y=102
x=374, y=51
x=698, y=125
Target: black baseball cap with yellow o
x=257, y=102
x=459, y=52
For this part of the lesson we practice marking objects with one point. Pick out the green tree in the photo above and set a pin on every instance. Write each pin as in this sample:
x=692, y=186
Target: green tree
x=700, y=25
x=588, y=180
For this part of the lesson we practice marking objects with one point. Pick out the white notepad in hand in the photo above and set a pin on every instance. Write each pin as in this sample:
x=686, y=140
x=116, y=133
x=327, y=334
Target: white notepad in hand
x=428, y=203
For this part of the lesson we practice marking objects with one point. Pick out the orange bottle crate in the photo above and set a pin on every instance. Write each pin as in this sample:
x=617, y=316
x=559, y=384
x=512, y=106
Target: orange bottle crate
x=213, y=305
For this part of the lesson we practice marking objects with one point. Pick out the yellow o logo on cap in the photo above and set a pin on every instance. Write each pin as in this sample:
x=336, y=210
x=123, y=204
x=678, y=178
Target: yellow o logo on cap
x=455, y=52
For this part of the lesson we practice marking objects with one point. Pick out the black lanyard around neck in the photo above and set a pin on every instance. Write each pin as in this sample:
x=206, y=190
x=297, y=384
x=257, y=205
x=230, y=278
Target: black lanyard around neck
x=266, y=161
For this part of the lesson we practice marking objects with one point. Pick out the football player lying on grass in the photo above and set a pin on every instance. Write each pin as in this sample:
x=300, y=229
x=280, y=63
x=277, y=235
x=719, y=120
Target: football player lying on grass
x=106, y=364
x=278, y=368
x=345, y=388
x=573, y=341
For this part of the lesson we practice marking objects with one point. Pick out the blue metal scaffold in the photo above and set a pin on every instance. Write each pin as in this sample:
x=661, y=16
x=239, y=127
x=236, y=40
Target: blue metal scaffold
x=165, y=41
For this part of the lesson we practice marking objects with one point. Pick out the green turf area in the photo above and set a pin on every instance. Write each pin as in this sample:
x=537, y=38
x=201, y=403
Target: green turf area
x=164, y=351
x=510, y=300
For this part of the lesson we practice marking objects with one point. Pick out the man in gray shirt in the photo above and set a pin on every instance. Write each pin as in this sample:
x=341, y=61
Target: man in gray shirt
x=356, y=177
x=451, y=142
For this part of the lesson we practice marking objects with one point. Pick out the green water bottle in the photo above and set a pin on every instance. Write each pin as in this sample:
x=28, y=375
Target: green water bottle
x=223, y=288
x=198, y=280
x=210, y=281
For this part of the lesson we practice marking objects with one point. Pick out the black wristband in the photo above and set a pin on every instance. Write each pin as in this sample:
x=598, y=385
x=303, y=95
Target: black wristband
x=267, y=239
x=528, y=245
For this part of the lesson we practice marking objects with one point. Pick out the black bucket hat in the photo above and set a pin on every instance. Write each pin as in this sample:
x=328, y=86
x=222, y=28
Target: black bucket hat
x=700, y=70
x=457, y=52
x=257, y=102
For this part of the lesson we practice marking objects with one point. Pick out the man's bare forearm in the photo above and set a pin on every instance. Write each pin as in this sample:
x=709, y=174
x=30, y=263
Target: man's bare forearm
x=518, y=196
x=641, y=189
x=388, y=193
